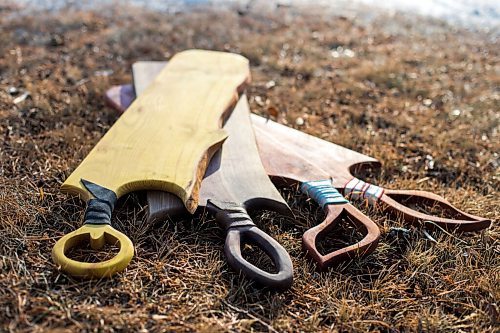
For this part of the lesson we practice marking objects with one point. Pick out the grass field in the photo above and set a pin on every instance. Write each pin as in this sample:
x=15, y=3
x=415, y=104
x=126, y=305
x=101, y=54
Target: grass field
x=418, y=95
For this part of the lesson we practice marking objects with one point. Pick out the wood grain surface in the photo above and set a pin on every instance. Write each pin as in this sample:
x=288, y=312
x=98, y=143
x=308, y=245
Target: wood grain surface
x=235, y=174
x=168, y=135
x=294, y=155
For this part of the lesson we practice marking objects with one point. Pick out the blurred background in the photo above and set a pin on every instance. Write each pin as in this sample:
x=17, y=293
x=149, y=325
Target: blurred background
x=480, y=14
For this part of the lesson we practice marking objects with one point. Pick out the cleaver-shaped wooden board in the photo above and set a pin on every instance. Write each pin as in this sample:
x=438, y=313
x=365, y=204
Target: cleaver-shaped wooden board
x=305, y=157
x=164, y=142
x=170, y=132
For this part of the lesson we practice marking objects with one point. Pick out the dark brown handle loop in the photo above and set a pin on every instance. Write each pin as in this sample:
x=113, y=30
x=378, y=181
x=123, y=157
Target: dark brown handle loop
x=393, y=201
x=334, y=214
x=241, y=230
x=252, y=235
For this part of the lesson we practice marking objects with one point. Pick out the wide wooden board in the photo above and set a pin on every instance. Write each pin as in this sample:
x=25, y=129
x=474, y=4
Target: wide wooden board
x=169, y=134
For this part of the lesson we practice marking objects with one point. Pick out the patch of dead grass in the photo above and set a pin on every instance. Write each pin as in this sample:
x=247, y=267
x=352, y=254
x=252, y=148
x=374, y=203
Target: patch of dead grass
x=376, y=102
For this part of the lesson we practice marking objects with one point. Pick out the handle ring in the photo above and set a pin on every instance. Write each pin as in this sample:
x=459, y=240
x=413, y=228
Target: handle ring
x=98, y=235
x=236, y=236
x=241, y=229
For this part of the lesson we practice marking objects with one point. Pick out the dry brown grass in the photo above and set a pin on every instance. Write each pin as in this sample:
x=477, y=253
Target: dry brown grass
x=376, y=103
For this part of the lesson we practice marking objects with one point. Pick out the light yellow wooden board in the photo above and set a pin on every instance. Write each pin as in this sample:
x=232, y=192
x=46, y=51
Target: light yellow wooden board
x=168, y=135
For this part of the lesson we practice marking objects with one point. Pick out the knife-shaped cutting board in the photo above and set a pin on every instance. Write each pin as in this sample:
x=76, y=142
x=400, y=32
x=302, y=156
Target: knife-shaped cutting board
x=169, y=134
x=235, y=173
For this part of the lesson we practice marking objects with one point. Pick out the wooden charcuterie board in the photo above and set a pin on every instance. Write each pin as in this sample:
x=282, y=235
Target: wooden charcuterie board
x=169, y=134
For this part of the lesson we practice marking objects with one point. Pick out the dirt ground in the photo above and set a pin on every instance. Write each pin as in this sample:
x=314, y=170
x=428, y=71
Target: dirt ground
x=420, y=96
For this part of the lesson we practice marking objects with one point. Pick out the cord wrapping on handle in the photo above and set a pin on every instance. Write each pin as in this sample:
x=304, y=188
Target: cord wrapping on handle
x=357, y=189
x=323, y=192
x=230, y=214
x=100, y=208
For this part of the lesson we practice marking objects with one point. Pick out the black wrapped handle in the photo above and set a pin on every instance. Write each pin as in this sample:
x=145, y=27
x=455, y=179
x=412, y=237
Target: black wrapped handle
x=240, y=230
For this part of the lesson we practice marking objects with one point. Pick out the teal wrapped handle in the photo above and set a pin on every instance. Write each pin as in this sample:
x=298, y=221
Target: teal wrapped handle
x=337, y=208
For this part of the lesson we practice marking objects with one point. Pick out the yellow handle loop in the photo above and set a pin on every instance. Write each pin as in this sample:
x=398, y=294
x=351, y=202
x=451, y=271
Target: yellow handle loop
x=98, y=235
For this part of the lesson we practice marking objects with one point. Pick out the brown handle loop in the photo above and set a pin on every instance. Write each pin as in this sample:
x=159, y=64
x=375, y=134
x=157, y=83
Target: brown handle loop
x=334, y=214
x=283, y=279
x=393, y=201
x=241, y=230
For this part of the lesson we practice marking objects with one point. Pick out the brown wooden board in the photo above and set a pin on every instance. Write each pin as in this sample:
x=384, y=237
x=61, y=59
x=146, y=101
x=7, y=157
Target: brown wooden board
x=235, y=180
x=306, y=157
